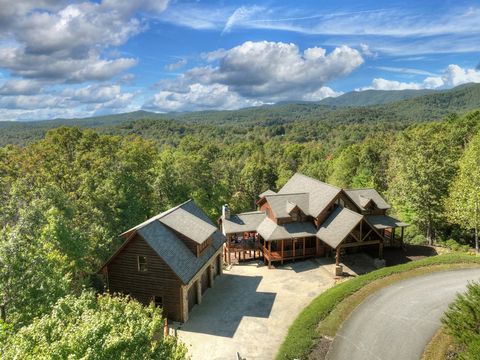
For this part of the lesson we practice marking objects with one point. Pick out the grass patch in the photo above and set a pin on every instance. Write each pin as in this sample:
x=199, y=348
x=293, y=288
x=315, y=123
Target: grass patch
x=304, y=333
x=439, y=346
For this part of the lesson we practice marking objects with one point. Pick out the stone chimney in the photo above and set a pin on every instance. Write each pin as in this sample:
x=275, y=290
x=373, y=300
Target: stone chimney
x=225, y=212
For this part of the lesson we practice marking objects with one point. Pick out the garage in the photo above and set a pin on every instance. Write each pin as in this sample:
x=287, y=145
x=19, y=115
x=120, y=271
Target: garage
x=192, y=296
x=204, y=280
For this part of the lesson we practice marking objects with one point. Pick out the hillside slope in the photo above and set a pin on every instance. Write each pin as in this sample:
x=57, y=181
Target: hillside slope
x=393, y=116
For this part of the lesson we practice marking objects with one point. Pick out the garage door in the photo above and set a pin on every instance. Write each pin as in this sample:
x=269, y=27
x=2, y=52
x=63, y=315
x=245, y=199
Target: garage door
x=205, y=280
x=192, y=296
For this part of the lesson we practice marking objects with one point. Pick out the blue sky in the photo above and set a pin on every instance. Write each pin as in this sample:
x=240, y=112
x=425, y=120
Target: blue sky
x=83, y=58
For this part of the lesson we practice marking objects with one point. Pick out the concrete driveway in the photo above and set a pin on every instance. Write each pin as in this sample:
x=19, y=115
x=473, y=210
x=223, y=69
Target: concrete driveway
x=398, y=321
x=250, y=308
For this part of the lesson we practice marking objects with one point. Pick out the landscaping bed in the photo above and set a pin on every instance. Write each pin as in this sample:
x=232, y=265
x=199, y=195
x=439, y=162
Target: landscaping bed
x=322, y=318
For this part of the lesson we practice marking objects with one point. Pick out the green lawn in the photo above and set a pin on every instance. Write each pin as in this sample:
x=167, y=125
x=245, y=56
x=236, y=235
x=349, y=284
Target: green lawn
x=305, y=331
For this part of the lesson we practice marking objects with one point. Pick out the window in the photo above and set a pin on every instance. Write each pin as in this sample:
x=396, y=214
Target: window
x=158, y=301
x=201, y=248
x=142, y=263
x=295, y=216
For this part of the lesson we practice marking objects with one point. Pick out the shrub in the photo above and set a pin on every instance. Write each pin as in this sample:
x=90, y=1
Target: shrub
x=463, y=321
x=452, y=245
x=418, y=240
x=302, y=334
x=90, y=327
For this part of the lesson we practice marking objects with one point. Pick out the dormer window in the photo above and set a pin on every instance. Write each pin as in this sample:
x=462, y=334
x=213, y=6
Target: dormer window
x=295, y=216
x=203, y=246
x=142, y=263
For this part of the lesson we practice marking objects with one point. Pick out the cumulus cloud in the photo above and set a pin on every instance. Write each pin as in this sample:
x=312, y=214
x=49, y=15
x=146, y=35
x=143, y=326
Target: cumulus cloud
x=255, y=73
x=321, y=93
x=20, y=87
x=199, y=97
x=452, y=76
x=66, y=45
x=50, y=44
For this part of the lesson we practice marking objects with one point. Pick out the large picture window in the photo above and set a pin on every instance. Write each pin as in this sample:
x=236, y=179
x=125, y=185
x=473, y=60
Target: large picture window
x=142, y=263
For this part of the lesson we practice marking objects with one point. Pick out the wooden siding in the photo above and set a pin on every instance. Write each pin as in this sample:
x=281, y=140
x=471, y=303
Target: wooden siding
x=158, y=280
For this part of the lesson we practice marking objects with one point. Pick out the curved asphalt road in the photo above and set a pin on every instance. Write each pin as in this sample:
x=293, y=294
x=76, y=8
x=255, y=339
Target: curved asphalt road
x=398, y=321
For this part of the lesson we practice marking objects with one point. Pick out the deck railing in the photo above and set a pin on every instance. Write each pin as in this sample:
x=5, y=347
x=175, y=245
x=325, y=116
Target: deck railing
x=288, y=254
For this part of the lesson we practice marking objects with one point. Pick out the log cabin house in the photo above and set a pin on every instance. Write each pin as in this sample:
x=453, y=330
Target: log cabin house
x=170, y=259
x=308, y=218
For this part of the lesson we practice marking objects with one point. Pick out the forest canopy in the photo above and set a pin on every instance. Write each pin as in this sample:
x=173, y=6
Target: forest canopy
x=67, y=197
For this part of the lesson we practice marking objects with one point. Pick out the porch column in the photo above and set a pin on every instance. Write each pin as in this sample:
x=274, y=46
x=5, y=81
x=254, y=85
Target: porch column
x=185, y=303
x=337, y=256
x=269, y=254
x=199, y=291
x=229, y=239
x=220, y=264
x=282, y=251
x=304, y=247
x=393, y=236
x=294, y=245
x=210, y=275
x=401, y=236
x=380, y=250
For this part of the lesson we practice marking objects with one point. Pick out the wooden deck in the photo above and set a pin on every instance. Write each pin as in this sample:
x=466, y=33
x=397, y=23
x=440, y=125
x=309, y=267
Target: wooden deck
x=288, y=254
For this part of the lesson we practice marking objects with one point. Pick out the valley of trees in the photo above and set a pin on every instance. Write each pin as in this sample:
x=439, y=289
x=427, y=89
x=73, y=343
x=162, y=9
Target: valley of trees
x=66, y=197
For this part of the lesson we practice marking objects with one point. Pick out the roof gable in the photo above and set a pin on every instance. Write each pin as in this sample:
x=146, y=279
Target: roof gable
x=174, y=251
x=362, y=197
x=320, y=194
x=281, y=204
x=159, y=233
x=187, y=223
x=338, y=225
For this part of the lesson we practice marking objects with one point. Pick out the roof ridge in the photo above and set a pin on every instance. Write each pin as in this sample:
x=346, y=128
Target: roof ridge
x=251, y=213
x=319, y=181
x=154, y=218
x=353, y=212
x=169, y=211
x=285, y=194
x=365, y=188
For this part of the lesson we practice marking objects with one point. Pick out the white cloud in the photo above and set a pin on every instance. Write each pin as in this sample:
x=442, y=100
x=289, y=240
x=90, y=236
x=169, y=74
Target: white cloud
x=20, y=87
x=452, y=76
x=47, y=45
x=199, y=97
x=384, y=84
x=403, y=70
x=321, y=93
x=365, y=49
x=176, y=65
x=274, y=71
x=240, y=14
x=256, y=73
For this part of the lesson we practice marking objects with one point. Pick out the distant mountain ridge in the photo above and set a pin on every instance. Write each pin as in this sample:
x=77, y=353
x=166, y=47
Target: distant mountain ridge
x=373, y=97
x=415, y=107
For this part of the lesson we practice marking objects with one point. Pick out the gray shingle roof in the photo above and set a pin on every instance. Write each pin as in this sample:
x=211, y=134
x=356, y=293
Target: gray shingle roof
x=281, y=203
x=361, y=197
x=320, y=193
x=269, y=230
x=171, y=248
x=267, y=192
x=338, y=225
x=244, y=222
x=385, y=222
x=188, y=224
